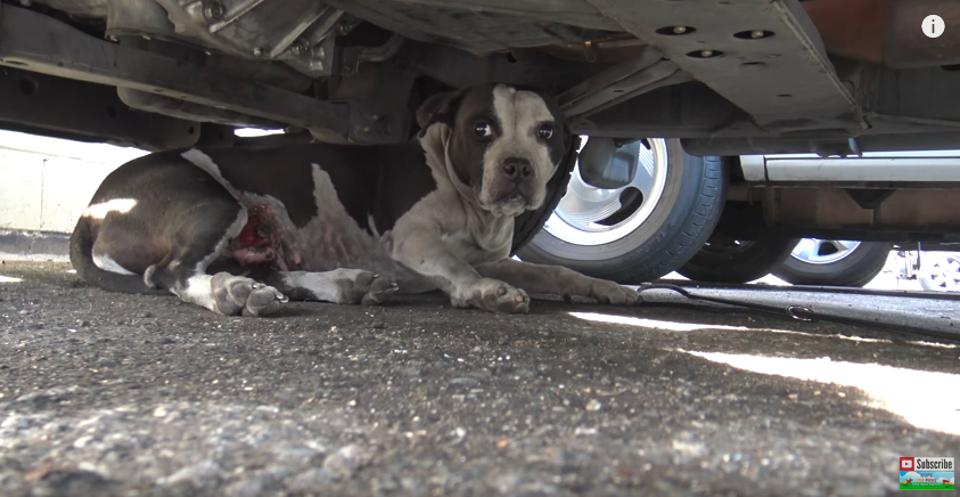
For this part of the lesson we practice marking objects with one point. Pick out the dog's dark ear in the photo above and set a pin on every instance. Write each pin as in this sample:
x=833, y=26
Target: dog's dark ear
x=440, y=107
x=566, y=146
x=562, y=137
x=569, y=141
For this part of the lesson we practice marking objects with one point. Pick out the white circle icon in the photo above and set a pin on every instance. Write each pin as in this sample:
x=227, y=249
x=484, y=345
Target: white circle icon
x=933, y=26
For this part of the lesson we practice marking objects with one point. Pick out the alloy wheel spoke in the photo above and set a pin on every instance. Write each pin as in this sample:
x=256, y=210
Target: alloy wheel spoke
x=845, y=245
x=644, y=180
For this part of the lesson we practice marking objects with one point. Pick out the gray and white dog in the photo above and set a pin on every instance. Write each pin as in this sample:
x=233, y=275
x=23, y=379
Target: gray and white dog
x=239, y=230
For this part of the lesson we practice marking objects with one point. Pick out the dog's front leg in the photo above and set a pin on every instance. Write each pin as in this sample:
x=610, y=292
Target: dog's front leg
x=546, y=279
x=424, y=252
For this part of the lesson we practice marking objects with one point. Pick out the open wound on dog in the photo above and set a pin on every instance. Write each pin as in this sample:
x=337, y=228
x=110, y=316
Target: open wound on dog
x=262, y=240
x=330, y=240
x=118, y=205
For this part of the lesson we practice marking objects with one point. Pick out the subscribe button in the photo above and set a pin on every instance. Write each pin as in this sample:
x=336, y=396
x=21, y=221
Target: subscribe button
x=927, y=473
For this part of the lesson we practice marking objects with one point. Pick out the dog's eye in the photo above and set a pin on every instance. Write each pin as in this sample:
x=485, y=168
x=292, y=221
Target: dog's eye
x=483, y=129
x=545, y=132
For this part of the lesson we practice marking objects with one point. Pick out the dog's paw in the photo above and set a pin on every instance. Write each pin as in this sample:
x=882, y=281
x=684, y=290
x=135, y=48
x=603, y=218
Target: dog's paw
x=355, y=286
x=609, y=292
x=495, y=296
x=236, y=295
x=380, y=291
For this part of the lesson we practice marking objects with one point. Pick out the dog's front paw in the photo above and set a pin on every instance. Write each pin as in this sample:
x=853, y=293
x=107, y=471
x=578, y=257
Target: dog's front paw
x=355, y=286
x=236, y=295
x=381, y=289
x=609, y=292
x=495, y=296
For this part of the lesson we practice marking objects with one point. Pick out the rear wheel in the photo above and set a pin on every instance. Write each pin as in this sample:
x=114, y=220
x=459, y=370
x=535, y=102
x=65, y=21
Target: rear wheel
x=639, y=232
x=725, y=259
x=816, y=261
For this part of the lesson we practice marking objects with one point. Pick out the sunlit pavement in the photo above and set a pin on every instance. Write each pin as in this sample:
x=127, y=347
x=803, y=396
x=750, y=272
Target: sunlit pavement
x=108, y=394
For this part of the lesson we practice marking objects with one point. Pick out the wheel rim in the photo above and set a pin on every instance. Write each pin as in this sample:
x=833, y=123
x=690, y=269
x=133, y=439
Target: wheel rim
x=817, y=251
x=587, y=215
x=944, y=274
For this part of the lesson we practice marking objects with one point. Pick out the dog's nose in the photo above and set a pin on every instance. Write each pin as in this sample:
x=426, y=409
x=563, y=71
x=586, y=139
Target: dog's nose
x=515, y=167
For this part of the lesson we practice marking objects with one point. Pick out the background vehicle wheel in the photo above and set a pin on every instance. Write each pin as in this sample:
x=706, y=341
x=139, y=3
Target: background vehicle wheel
x=834, y=262
x=642, y=231
x=940, y=272
x=725, y=259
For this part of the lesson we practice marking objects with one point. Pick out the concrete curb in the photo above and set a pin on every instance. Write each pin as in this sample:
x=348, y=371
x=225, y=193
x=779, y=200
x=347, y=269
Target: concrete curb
x=34, y=243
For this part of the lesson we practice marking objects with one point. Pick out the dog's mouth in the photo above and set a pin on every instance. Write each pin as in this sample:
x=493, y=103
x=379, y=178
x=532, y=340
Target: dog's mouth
x=508, y=204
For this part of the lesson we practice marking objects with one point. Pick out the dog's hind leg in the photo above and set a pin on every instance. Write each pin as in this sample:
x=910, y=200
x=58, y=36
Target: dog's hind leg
x=230, y=295
x=197, y=243
x=158, y=223
x=340, y=286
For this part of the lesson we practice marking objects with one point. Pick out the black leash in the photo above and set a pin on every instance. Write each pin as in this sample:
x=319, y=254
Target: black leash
x=795, y=312
x=798, y=312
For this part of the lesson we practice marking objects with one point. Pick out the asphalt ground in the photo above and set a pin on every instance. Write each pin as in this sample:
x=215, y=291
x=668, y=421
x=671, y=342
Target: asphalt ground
x=107, y=394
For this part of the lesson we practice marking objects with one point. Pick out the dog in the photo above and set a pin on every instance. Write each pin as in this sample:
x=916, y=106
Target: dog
x=240, y=231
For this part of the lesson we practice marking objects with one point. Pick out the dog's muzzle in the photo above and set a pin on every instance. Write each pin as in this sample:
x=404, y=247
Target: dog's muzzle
x=517, y=168
x=516, y=182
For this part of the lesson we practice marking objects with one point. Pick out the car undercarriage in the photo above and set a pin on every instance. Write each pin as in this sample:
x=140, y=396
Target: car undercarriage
x=835, y=78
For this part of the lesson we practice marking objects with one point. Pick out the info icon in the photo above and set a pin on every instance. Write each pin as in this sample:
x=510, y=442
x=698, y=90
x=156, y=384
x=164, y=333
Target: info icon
x=933, y=26
x=906, y=464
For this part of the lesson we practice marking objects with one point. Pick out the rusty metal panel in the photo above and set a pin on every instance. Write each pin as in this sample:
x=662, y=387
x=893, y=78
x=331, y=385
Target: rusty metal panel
x=69, y=53
x=919, y=209
x=764, y=56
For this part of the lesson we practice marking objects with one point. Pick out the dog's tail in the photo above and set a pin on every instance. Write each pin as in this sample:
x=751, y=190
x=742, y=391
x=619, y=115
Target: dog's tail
x=81, y=256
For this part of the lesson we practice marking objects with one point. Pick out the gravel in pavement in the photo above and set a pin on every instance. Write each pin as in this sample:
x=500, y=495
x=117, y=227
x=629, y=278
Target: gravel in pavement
x=109, y=394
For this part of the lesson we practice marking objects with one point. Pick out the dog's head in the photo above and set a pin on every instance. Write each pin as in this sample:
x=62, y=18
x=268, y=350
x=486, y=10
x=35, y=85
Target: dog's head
x=505, y=143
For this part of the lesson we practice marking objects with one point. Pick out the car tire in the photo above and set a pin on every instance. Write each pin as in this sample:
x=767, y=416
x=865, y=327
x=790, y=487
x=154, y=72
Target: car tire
x=855, y=269
x=688, y=208
x=940, y=272
x=724, y=259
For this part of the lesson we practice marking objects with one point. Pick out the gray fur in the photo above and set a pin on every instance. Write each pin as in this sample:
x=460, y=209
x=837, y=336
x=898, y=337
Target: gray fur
x=457, y=237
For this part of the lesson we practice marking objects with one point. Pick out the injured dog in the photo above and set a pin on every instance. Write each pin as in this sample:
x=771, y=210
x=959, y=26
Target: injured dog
x=239, y=230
